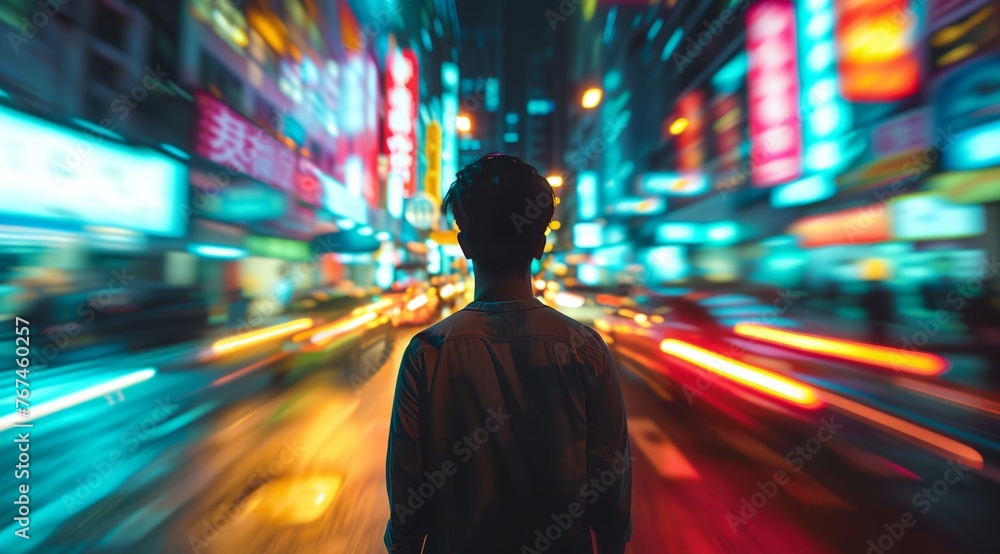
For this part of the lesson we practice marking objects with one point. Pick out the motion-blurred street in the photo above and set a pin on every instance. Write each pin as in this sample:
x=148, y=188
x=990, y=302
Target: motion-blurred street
x=222, y=221
x=267, y=448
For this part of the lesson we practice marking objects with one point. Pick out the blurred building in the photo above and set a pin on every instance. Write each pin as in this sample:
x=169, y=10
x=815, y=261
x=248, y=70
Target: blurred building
x=208, y=143
x=770, y=146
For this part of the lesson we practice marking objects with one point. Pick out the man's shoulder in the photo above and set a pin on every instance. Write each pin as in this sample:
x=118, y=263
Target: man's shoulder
x=544, y=322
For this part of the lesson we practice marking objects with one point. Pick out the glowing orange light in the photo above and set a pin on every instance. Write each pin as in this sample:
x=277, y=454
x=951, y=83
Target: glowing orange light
x=756, y=378
x=463, y=123
x=244, y=340
x=890, y=358
x=591, y=98
x=417, y=302
x=327, y=333
x=909, y=431
x=608, y=300
x=678, y=126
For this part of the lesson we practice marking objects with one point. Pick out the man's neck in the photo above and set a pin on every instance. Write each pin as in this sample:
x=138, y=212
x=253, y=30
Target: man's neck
x=494, y=287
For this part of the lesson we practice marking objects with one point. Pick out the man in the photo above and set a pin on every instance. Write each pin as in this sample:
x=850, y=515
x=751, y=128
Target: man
x=508, y=429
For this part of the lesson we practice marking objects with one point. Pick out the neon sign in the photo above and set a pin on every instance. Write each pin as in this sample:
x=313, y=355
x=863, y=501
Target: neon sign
x=773, y=85
x=229, y=140
x=402, y=94
x=877, y=61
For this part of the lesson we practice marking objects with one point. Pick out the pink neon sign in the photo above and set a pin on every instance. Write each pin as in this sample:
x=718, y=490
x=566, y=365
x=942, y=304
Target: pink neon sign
x=402, y=82
x=773, y=86
x=228, y=139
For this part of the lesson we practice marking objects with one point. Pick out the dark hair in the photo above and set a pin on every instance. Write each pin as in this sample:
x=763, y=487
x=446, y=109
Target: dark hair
x=502, y=206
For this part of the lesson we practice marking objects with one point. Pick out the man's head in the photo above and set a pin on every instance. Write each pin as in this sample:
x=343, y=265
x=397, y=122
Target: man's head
x=502, y=206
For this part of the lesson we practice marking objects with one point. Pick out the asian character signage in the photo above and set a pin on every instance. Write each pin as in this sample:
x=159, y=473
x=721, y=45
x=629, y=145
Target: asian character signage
x=228, y=139
x=402, y=94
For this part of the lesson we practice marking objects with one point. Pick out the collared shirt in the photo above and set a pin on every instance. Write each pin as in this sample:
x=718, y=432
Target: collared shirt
x=508, y=431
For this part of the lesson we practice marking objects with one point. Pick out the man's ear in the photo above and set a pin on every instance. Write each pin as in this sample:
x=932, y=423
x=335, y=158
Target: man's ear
x=540, y=249
x=463, y=246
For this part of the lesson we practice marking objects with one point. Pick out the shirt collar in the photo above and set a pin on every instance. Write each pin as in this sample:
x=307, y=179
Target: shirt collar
x=505, y=306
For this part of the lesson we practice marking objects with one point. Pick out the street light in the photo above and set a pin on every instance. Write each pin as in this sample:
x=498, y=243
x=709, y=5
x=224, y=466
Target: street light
x=463, y=123
x=591, y=98
x=555, y=180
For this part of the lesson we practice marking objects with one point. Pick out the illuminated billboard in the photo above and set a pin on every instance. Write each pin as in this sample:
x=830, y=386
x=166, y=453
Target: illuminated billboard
x=773, y=86
x=53, y=175
x=929, y=216
x=586, y=195
x=877, y=55
x=864, y=225
x=675, y=184
x=966, y=104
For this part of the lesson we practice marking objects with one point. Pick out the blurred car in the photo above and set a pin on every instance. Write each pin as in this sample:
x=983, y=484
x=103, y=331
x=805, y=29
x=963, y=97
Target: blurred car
x=420, y=305
x=139, y=317
x=696, y=317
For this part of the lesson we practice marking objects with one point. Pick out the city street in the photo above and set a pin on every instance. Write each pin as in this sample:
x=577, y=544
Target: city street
x=204, y=458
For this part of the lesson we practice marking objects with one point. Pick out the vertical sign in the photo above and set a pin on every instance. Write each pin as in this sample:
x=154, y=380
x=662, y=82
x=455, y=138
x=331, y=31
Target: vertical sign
x=402, y=81
x=691, y=153
x=586, y=195
x=826, y=116
x=877, y=58
x=727, y=115
x=432, y=148
x=773, y=86
x=449, y=135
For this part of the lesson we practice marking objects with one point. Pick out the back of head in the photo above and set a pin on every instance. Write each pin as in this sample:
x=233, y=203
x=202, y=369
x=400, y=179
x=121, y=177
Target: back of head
x=502, y=206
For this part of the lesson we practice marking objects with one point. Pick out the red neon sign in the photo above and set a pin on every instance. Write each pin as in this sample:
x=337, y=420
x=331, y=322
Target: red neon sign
x=877, y=61
x=773, y=86
x=402, y=80
x=863, y=225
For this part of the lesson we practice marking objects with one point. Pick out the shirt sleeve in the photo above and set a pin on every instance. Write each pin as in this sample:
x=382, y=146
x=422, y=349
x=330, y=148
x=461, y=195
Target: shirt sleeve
x=608, y=453
x=407, y=526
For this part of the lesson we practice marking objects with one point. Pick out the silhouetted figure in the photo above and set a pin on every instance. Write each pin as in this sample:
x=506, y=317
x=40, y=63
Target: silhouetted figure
x=507, y=412
x=880, y=308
